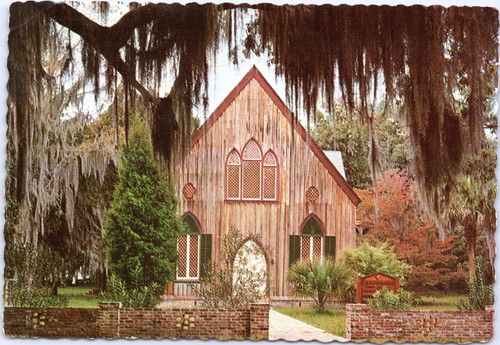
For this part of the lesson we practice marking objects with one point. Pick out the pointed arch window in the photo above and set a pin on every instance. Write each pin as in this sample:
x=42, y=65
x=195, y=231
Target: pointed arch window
x=311, y=240
x=251, y=176
x=269, y=176
x=194, y=249
x=311, y=243
x=188, y=249
x=233, y=175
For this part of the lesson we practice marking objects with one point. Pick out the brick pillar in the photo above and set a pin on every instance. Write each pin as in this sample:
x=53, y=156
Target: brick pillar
x=259, y=320
x=108, y=319
x=357, y=321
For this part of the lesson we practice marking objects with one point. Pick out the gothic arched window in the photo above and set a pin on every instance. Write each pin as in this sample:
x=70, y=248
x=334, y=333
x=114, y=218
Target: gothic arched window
x=188, y=249
x=311, y=243
x=251, y=173
x=251, y=176
x=233, y=175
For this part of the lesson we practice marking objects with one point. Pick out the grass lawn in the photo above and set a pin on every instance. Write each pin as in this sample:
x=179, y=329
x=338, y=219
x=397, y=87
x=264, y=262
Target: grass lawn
x=333, y=321
x=77, y=298
x=441, y=302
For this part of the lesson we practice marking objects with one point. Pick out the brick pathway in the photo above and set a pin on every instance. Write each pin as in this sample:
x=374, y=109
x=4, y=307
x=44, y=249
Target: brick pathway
x=290, y=329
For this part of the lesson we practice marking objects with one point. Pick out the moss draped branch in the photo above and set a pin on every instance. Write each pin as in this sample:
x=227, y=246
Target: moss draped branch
x=106, y=40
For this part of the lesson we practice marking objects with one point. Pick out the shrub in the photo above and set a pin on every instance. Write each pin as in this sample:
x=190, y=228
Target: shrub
x=136, y=297
x=234, y=286
x=479, y=294
x=385, y=299
x=141, y=224
x=320, y=280
x=366, y=259
x=38, y=298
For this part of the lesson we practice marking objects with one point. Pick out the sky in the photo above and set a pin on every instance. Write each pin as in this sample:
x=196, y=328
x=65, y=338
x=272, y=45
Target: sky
x=221, y=84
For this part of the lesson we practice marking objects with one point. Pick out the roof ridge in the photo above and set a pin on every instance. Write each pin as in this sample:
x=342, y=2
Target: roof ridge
x=255, y=73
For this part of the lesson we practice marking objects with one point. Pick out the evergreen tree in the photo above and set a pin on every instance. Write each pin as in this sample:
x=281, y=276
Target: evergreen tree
x=141, y=224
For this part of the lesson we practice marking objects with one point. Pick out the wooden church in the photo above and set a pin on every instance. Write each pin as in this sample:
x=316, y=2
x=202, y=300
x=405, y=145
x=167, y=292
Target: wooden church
x=252, y=166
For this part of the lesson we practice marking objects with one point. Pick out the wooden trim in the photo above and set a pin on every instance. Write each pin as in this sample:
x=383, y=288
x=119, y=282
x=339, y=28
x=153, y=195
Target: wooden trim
x=312, y=214
x=223, y=106
x=187, y=280
x=251, y=201
x=255, y=73
x=305, y=136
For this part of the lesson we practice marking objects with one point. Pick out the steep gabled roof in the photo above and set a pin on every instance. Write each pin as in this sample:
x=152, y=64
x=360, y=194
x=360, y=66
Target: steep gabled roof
x=255, y=73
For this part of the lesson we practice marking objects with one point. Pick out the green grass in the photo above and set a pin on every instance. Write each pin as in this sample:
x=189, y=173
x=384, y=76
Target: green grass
x=441, y=302
x=77, y=297
x=333, y=321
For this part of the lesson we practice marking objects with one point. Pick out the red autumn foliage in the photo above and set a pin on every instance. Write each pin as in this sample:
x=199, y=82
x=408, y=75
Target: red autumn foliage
x=394, y=216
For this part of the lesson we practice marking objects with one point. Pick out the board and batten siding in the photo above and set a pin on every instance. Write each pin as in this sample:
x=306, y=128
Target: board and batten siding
x=254, y=114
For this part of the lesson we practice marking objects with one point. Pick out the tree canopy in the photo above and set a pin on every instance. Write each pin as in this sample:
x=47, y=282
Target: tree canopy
x=423, y=56
x=141, y=223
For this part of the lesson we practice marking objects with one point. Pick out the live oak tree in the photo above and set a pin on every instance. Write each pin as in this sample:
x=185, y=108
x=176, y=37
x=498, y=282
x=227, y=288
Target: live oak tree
x=422, y=55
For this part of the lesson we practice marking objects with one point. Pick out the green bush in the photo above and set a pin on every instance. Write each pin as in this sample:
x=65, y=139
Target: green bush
x=366, y=259
x=230, y=285
x=320, y=280
x=141, y=224
x=479, y=294
x=38, y=298
x=385, y=299
x=136, y=297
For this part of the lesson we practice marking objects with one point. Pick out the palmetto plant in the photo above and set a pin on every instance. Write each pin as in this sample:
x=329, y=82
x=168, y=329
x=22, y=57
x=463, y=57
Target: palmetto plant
x=479, y=295
x=320, y=280
x=385, y=299
x=134, y=296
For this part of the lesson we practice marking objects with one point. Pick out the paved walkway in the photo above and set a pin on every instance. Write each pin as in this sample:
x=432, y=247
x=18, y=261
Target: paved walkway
x=290, y=329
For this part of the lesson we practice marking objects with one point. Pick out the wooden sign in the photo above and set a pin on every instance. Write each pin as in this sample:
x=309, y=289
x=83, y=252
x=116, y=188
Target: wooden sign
x=368, y=285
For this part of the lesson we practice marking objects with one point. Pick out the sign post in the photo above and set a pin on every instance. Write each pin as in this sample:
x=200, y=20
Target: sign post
x=368, y=285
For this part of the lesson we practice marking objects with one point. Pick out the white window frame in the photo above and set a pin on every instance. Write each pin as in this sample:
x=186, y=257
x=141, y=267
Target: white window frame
x=311, y=244
x=188, y=257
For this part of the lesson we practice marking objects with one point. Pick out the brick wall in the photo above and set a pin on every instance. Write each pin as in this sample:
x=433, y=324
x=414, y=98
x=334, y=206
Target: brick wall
x=50, y=322
x=184, y=323
x=259, y=320
x=112, y=321
x=364, y=323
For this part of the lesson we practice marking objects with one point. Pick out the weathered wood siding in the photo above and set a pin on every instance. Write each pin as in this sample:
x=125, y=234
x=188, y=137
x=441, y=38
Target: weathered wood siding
x=254, y=114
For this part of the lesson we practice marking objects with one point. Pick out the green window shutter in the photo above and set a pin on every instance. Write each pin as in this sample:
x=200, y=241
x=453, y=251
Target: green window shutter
x=205, y=253
x=330, y=246
x=293, y=249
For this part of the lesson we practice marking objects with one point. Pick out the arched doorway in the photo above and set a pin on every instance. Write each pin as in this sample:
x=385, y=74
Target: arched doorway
x=250, y=267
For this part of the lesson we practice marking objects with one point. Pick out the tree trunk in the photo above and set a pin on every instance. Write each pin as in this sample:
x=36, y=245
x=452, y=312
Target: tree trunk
x=470, y=237
x=490, y=241
x=55, y=285
x=100, y=279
